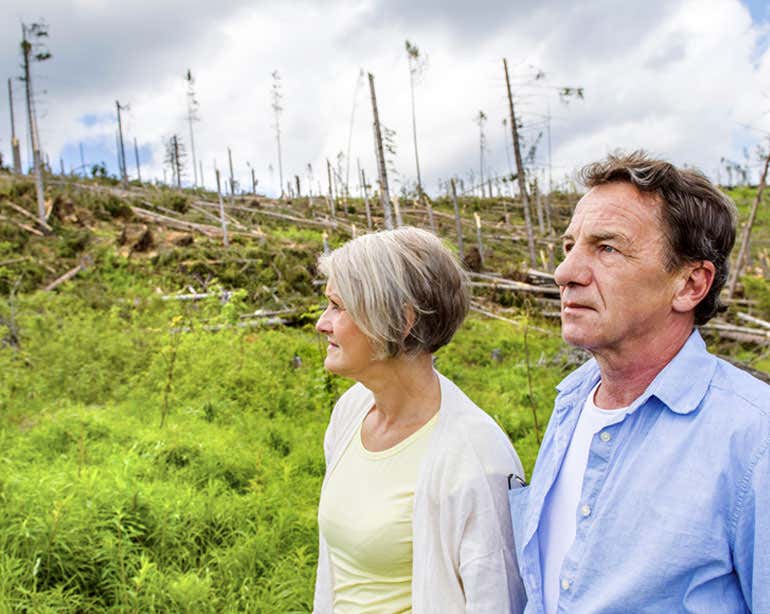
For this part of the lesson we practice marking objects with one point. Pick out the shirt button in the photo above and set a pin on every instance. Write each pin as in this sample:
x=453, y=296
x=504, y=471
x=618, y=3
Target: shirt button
x=585, y=510
x=605, y=436
x=565, y=584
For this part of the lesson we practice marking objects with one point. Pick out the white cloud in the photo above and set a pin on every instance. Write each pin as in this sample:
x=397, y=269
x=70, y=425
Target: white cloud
x=675, y=78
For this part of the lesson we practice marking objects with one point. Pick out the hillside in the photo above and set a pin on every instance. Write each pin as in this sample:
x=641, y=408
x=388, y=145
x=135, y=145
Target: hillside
x=162, y=411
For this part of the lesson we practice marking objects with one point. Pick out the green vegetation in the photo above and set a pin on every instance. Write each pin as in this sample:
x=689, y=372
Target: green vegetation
x=167, y=456
x=216, y=511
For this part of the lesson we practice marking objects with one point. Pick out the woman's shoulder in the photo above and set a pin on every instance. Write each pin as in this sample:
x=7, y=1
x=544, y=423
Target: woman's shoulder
x=352, y=402
x=470, y=430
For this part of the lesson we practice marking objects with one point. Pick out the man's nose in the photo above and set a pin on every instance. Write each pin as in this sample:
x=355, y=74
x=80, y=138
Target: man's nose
x=574, y=268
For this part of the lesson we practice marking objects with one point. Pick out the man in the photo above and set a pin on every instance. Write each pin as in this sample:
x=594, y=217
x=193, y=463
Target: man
x=651, y=490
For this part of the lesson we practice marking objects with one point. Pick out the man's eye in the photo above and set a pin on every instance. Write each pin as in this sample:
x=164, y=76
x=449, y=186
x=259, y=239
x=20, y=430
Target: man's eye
x=608, y=249
x=566, y=248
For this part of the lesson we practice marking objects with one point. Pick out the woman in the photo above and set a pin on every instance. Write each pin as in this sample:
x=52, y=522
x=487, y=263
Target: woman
x=413, y=514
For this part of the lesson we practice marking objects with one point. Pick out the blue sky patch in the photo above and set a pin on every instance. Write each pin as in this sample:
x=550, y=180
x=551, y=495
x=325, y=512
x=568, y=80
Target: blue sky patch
x=94, y=119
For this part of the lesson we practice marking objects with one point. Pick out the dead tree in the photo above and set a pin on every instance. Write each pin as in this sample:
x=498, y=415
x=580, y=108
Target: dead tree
x=222, y=218
x=232, y=176
x=416, y=67
x=520, y=170
x=15, y=147
x=359, y=85
x=175, y=155
x=365, y=190
x=743, y=248
x=277, y=96
x=121, y=147
x=192, y=116
x=480, y=119
x=332, y=207
x=33, y=51
x=136, y=157
x=380, y=155
x=458, y=221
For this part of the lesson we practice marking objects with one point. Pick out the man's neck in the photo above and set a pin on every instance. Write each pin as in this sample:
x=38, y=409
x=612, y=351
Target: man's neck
x=625, y=376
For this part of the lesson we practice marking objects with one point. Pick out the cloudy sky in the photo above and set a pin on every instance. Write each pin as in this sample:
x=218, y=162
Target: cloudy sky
x=688, y=80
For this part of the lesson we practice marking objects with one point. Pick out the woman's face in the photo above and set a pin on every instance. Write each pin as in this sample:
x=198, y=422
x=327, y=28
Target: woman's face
x=349, y=351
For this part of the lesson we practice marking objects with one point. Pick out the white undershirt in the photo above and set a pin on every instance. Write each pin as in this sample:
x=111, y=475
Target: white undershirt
x=560, y=508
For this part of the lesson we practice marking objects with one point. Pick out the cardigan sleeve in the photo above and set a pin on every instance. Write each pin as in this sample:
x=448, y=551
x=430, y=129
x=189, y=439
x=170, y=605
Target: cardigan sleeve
x=488, y=568
x=466, y=529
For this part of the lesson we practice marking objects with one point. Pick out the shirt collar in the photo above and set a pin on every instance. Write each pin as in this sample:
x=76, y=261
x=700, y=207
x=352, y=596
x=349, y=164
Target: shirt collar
x=680, y=385
x=683, y=382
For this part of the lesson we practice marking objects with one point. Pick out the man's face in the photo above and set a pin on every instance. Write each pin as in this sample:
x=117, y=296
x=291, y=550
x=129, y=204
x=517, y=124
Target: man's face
x=616, y=295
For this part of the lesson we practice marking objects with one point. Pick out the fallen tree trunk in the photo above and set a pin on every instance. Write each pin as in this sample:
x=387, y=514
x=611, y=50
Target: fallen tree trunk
x=754, y=320
x=518, y=286
x=28, y=215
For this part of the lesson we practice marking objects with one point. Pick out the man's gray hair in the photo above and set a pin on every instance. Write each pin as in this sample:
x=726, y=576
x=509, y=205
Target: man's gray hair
x=403, y=288
x=698, y=219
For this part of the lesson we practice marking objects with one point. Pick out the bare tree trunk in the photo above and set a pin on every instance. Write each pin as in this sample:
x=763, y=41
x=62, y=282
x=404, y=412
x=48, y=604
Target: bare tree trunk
x=383, y=175
x=414, y=134
x=178, y=164
x=222, y=219
x=15, y=147
x=232, y=176
x=743, y=249
x=458, y=221
x=122, y=153
x=478, y=238
x=366, y=199
x=520, y=170
x=27, y=47
x=331, y=189
x=136, y=157
x=397, y=211
x=539, y=207
x=429, y=207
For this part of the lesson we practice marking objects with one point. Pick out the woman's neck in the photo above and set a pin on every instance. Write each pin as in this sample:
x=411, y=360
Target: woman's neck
x=406, y=390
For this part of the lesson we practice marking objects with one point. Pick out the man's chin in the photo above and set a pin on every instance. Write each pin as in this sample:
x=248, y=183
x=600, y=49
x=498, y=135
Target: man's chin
x=577, y=336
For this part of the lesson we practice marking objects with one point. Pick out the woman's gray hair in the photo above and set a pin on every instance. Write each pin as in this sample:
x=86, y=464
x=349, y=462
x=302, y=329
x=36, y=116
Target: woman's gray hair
x=403, y=288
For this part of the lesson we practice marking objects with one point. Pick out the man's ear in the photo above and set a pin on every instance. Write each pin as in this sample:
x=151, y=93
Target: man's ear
x=695, y=281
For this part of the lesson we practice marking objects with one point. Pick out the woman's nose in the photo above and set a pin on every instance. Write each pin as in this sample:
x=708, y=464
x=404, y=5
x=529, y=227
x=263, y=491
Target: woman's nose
x=323, y=325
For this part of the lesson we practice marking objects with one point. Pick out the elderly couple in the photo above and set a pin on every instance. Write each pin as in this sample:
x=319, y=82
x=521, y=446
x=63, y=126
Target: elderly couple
x=651, y=490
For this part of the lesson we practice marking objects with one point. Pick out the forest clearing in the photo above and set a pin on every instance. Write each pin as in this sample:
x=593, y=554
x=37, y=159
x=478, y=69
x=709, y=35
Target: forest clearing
x=162, y=409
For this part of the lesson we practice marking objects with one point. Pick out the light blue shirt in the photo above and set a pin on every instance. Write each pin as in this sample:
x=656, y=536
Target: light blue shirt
x=674, y=513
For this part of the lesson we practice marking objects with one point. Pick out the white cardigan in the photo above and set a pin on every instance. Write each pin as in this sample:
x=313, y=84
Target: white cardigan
x=463, y=554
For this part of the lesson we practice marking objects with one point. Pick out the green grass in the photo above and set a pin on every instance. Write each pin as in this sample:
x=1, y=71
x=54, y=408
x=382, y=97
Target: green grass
x=104, y=510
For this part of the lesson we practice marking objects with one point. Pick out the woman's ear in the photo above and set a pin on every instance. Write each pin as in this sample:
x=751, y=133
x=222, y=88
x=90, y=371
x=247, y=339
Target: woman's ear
x=695, y=281
x=410, y=316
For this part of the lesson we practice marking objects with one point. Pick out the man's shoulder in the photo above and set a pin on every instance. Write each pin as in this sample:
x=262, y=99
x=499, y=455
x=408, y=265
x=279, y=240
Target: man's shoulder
x=746, y=396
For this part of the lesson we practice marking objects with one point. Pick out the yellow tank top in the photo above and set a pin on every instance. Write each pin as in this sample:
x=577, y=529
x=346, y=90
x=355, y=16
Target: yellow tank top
x=365, y=516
